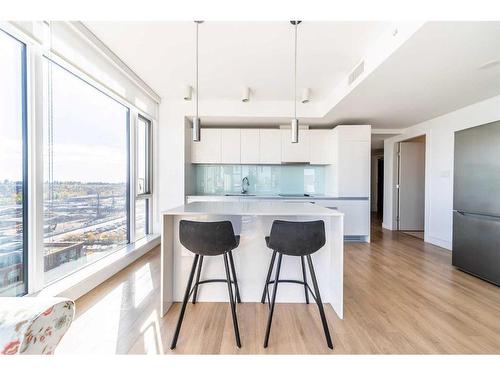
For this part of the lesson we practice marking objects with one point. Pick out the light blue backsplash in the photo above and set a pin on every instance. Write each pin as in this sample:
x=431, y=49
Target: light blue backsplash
x=264, y=179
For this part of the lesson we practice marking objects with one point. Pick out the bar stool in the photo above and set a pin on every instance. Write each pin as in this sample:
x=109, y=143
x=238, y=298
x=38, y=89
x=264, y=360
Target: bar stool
x=299, y=239
x=209, y=239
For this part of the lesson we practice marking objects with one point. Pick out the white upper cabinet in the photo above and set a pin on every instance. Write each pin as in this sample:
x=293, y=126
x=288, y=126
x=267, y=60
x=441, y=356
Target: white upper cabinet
x=270, y=146
x=321, y=147
x=353, y=169
x=250, y=146
x=231, y=146
x=208, y=150
x=295, y=152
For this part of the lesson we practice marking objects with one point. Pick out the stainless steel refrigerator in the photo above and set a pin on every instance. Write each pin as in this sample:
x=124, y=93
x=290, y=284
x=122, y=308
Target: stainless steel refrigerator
x=476, y=202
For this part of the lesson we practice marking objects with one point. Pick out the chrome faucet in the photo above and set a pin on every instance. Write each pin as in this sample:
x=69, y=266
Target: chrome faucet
x=245, y=184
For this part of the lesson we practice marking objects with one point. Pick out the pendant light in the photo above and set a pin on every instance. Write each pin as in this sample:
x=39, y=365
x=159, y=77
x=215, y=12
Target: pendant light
x=295, y=120
x=196, y=119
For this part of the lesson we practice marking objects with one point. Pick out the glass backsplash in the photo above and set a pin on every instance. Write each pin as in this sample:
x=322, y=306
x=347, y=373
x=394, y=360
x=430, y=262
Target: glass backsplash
x=264, y=179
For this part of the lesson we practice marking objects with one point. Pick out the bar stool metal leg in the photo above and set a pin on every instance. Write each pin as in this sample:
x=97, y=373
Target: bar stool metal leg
x=233, y=271
x=271, y=310
x=319, y=303
x=184, y=303
x=231, y=301
x=304, y=276
x=195, y=291
x=268, y=278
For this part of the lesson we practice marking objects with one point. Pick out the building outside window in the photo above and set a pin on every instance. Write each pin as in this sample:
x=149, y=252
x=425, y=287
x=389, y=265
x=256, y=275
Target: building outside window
x=13, y=184
x=86, y=174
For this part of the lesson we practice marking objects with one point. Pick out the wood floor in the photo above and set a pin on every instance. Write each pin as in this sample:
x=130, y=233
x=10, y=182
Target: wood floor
x=401, y=296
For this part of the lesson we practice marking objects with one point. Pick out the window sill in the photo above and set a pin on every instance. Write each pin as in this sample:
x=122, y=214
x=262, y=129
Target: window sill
x=83, y=281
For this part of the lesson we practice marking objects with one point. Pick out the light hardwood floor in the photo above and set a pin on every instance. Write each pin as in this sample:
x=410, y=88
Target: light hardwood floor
x=401, y=296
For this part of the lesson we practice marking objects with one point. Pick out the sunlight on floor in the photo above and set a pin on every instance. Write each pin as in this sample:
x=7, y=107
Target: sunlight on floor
x=143, y=284
x=150, y=331
x=102, y=335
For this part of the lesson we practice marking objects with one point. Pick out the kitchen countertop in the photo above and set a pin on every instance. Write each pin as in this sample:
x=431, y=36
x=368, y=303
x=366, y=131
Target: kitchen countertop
x=275, y=196
x=252, y=208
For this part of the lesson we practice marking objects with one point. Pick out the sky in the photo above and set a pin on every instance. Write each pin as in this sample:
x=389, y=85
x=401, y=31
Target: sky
x=89, y=128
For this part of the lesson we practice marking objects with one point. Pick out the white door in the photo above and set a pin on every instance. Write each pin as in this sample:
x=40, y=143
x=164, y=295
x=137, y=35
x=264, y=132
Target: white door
x=411, y=186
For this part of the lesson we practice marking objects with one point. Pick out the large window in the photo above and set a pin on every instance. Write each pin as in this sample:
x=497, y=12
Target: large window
x=143, y=186
x=86, y=174
x=13, y=242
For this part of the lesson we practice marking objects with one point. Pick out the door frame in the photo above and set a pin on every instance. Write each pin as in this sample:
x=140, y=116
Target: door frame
x=397, y=178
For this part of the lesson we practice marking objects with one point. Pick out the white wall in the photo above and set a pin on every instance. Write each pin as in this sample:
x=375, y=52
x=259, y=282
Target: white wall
x=439, y=151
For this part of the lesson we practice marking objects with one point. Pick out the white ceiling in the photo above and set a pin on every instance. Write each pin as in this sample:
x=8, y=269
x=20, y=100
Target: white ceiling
x=237, y=54
x=434, y=72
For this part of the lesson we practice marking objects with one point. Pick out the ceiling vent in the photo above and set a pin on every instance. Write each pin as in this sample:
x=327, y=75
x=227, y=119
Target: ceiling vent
x=356, y=72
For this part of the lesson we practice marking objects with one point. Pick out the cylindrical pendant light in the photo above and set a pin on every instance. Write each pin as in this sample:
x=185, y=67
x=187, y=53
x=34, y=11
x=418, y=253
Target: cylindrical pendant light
x=306, y=94
x=196, y=119
x=295, y=121
x=245, y=94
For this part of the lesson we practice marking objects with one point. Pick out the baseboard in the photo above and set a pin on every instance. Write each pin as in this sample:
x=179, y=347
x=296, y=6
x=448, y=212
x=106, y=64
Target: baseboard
x=438, y=242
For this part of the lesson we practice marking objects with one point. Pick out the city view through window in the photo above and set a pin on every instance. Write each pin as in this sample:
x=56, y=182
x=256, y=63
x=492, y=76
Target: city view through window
x=11, y=167
x=85, y=174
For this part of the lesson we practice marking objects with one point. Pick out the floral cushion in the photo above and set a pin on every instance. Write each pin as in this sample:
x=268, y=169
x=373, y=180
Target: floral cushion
x=33, y=325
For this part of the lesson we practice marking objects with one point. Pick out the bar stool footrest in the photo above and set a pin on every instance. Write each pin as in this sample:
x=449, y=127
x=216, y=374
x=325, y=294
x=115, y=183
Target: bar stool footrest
x=290, y=282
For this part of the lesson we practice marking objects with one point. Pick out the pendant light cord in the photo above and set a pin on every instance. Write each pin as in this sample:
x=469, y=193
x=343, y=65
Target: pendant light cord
x=295, y=73
x=197, y=25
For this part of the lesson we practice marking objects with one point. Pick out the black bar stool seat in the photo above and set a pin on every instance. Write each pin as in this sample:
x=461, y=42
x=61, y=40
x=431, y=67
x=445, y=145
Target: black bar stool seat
x=209, y=239
x=299, y=239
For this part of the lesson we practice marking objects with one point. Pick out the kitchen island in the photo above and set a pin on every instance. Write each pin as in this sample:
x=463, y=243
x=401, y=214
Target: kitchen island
x=251, y=220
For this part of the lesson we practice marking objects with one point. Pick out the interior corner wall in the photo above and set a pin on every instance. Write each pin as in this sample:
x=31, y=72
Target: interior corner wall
x=440, y=135
x=171, y=155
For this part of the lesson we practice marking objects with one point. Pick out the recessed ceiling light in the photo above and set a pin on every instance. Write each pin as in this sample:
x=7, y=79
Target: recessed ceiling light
x=489, y=64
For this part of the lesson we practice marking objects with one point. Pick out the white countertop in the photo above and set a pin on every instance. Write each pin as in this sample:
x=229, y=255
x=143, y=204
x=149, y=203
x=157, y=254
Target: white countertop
x=254, y=208
x=274, y=197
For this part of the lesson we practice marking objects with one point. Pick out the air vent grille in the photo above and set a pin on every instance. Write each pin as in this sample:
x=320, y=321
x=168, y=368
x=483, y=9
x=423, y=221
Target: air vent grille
x=356, y=72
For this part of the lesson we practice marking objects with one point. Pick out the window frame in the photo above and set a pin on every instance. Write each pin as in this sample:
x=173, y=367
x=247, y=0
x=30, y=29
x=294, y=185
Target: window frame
x=24, y=157
x=148, y=157
x=130, y=238
x=148, y=193
x=37, y=46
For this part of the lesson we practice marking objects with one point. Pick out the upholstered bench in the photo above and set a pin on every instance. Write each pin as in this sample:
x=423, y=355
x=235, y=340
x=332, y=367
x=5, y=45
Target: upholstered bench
x=33, y=325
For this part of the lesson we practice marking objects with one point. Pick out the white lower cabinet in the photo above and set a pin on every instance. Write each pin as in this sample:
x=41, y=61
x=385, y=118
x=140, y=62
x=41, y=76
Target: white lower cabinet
x=356, y=215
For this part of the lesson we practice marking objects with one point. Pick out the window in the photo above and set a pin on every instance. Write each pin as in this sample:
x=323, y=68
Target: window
x=86, y=174
x=13, y=204
x=143, y=185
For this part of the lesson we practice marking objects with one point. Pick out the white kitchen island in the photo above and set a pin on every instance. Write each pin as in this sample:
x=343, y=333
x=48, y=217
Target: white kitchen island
x=252, y=221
